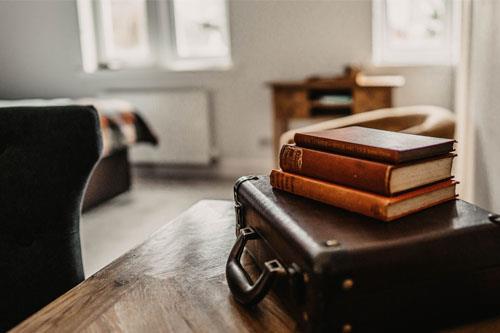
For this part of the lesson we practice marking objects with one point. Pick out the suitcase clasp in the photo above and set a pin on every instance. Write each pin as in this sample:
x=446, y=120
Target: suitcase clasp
x=237, y=204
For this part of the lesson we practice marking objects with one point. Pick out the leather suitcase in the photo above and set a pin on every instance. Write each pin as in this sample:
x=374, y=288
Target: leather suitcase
x=338, y=271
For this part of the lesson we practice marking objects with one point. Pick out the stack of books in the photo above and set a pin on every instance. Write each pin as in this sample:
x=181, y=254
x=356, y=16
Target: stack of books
x=382, y=174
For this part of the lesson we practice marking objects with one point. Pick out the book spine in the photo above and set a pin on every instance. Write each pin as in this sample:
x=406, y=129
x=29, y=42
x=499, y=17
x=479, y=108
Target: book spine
x=364, y=203
x=361, y=174
x=356, y=150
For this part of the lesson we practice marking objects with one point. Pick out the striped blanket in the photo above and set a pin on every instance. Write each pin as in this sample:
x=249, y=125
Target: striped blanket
x=121, y=124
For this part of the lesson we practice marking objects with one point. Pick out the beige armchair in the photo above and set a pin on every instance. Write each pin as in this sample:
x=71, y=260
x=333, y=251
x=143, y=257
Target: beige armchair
x=420, y=119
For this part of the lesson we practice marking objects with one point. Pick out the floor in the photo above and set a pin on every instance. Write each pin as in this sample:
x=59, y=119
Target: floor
x=115, y=227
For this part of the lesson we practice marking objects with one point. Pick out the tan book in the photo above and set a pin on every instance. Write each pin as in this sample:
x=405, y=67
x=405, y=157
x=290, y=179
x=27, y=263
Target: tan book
x=362, y=202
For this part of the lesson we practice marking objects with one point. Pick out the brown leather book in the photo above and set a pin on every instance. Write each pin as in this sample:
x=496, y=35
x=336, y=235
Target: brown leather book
x=366, y=203
x=378, y=177
x=374, y=144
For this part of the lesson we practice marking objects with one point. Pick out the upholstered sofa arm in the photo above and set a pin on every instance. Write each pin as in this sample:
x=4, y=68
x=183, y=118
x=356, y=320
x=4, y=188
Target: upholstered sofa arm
x=420, y=119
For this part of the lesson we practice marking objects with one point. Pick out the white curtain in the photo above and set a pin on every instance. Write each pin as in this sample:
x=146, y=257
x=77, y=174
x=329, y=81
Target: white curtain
x=478, y=104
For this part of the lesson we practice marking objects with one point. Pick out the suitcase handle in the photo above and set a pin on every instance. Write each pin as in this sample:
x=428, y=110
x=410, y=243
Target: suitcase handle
x=237, y=278
x=495, y=218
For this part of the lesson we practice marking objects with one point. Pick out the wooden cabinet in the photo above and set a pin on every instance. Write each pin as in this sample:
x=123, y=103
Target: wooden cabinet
x=329, y=98
x=371, y=98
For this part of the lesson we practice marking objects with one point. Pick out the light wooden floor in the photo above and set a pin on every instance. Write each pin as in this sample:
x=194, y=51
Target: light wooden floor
x=115, y=227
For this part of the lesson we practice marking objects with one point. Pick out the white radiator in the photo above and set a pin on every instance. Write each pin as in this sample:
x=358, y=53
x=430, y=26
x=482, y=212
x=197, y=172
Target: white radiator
x=181, y=120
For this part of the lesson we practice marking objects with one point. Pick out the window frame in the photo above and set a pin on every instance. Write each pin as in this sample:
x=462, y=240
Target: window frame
x=107, y=51
x=170, y=56
x=173, y=22
x=384, y=55
x=161, y=39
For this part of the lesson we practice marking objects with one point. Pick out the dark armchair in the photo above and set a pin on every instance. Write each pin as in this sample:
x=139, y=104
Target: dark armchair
x=46, y=157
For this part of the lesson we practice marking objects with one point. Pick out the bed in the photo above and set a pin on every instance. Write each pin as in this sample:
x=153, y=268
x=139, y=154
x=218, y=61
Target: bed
x=122, y=126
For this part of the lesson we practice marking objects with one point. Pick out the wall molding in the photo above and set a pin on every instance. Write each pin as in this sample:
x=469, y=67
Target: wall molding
x=224, y=168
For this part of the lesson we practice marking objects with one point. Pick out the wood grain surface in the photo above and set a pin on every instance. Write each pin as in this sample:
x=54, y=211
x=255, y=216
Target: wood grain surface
x=174, y=282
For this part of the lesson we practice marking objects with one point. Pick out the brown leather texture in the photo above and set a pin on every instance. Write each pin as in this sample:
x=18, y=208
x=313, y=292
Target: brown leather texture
x=374, y=144
x=361, y=174
x=431, y=269
x=362, y=202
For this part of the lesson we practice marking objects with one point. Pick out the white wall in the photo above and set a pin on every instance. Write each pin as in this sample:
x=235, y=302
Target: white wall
x=484, y=104
x=271, y=40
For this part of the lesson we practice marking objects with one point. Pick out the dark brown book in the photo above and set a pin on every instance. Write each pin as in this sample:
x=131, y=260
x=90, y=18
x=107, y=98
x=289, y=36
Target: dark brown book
x=362, y=202
x=346, y=272
x=378, y=177
x=374, y=144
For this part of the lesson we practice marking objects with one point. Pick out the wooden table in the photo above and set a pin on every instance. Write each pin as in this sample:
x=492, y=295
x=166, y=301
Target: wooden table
x=174, y=282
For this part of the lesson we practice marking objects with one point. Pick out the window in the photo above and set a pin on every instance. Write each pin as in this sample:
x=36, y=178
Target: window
x=200, y=28
x=177, y=34
x=124, y=33
x=415, y=32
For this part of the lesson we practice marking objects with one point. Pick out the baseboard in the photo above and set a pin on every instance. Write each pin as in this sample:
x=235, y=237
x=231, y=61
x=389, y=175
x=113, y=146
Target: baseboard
x=237, y=167
x=225, y=168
